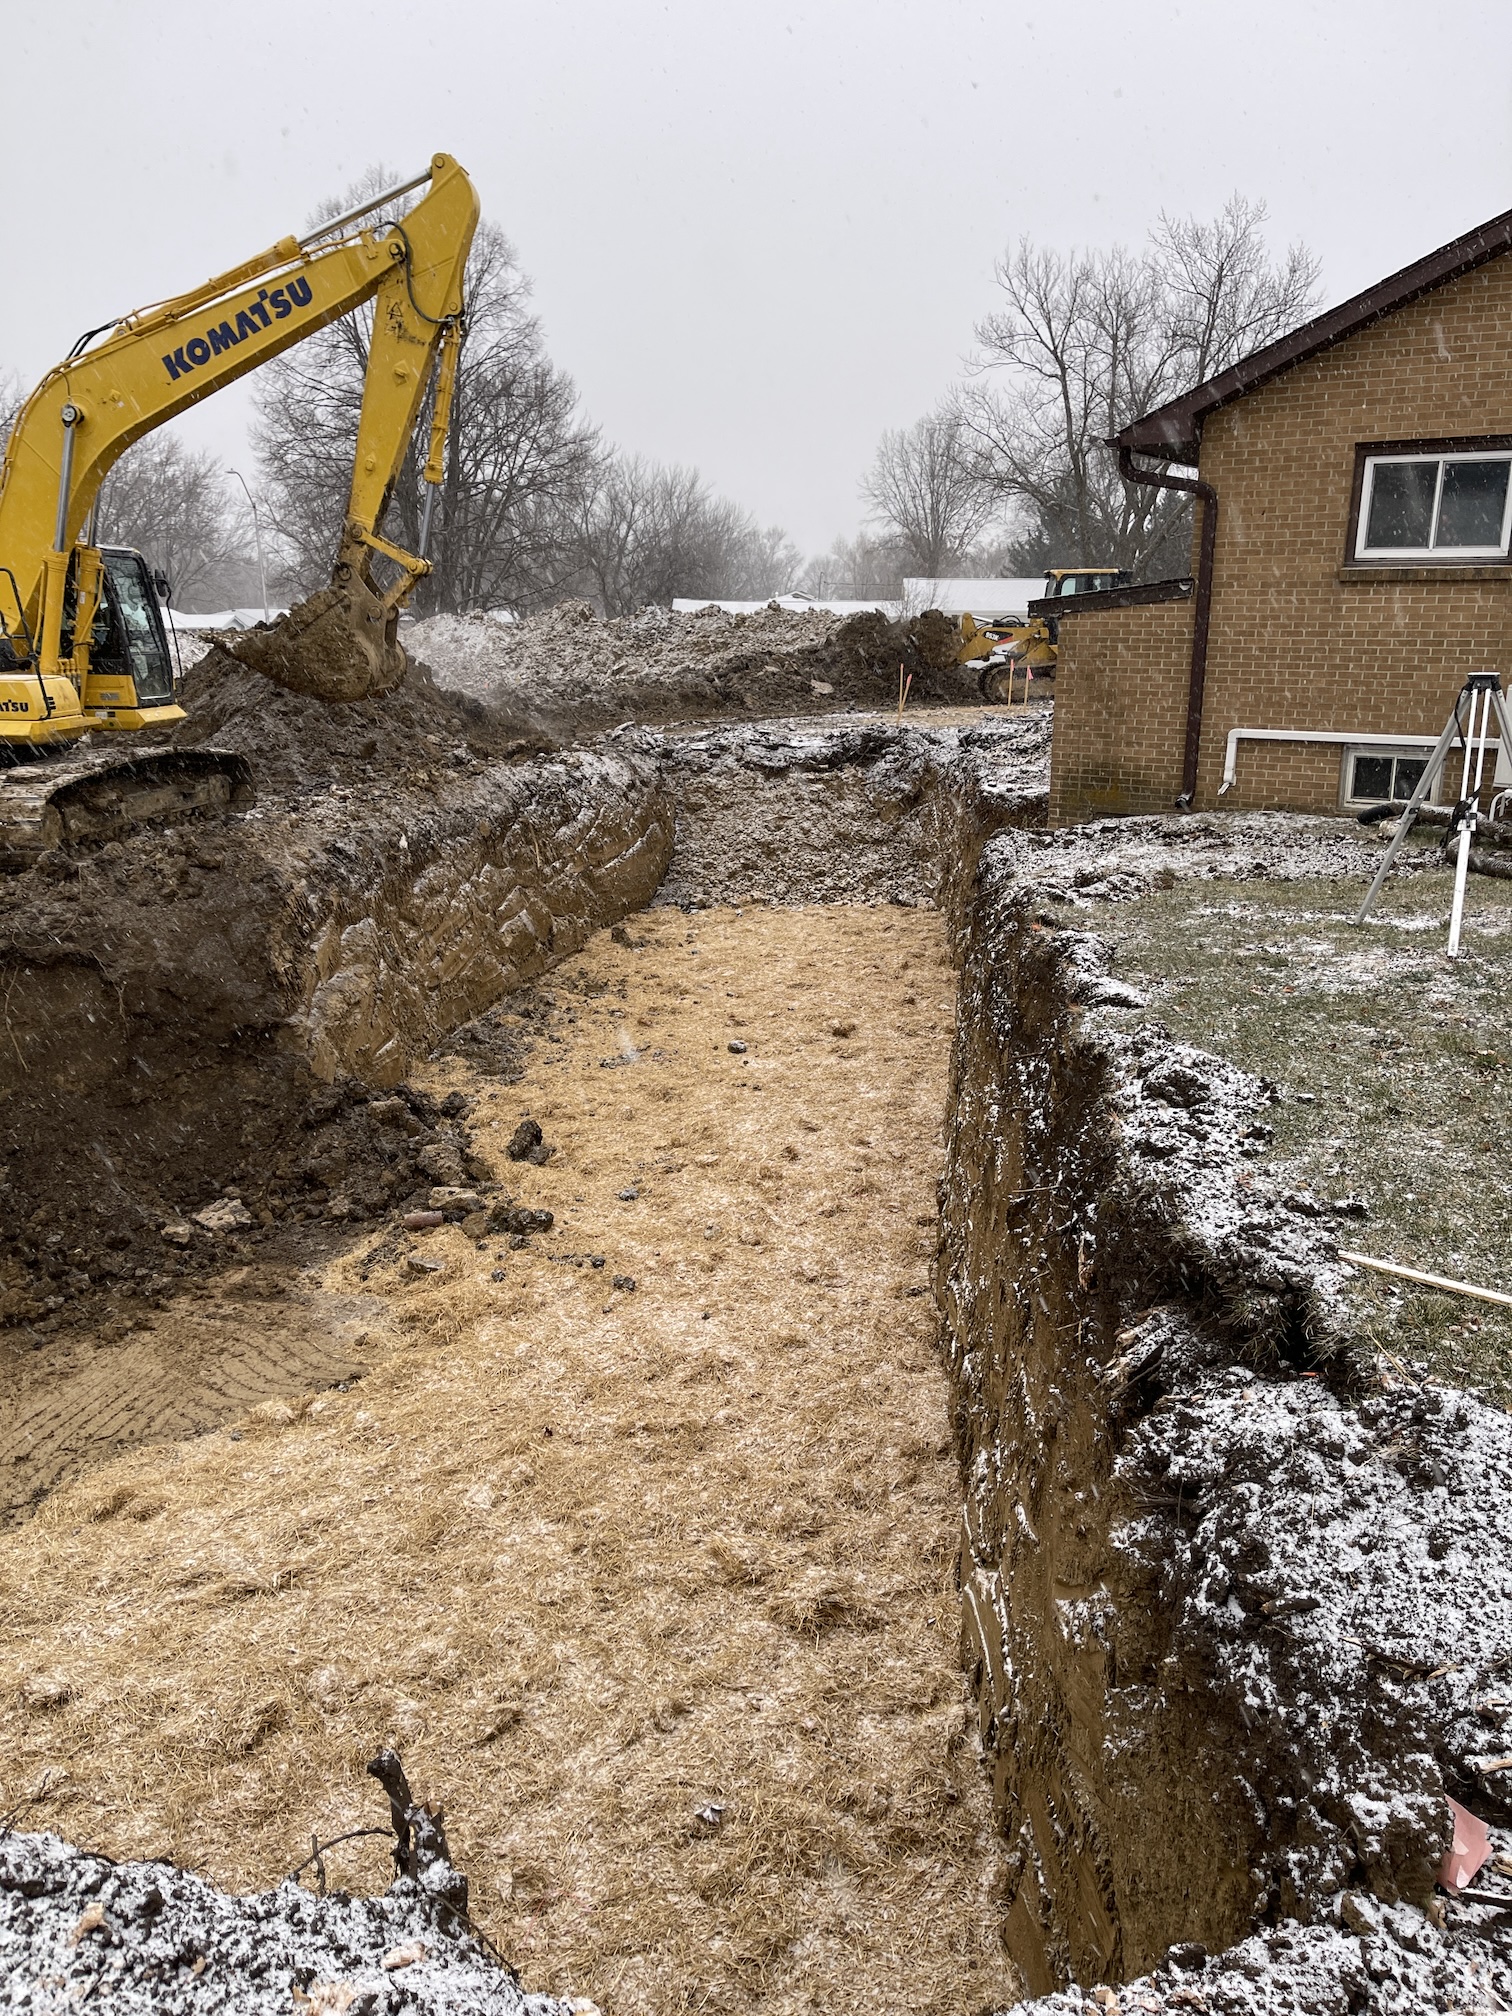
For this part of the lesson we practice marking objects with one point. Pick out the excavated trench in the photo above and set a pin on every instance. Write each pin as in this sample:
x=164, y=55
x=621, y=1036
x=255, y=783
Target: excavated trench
x=1233, y=1605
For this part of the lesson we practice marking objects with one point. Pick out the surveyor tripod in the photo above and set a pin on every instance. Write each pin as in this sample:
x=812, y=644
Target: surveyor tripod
x=1482, y=694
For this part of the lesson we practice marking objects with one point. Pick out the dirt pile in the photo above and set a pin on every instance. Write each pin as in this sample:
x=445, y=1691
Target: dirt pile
x=396, y=743
x=579, y=674
x=1232, y=1593
x=805, y=811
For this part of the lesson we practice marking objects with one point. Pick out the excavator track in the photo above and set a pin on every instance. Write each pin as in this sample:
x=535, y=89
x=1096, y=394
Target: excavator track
x=67, y=803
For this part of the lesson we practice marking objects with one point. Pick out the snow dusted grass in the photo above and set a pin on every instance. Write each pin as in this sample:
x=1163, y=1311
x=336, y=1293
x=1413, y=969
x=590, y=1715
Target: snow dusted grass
x=1395, y=1070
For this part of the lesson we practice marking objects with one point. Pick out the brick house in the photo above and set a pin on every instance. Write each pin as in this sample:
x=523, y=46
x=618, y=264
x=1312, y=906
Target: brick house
x=1351, y=561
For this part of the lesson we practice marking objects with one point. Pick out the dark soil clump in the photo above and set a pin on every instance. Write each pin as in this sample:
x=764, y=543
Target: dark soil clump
x=298, y=743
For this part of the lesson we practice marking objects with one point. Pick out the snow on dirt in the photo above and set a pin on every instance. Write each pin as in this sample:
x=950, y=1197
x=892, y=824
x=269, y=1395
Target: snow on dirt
x=146, y=1939
x=578, y=672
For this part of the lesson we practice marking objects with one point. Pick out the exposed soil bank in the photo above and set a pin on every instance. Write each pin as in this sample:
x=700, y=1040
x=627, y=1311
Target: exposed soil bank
x=1236, y=1610
x=208, y=1008
x=806, y=810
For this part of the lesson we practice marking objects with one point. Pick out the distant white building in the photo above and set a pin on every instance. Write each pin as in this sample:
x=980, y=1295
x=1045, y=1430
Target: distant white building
x=689, y=605
x=988, y=601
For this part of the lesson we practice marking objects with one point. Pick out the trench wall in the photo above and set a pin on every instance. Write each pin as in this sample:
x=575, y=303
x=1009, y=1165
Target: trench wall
x=1206, y=1565
x=172, y=1002
x=464, y=905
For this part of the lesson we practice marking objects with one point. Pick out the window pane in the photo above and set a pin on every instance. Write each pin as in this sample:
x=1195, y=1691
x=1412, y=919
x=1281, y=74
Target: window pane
x=1409, y=774
x=1372, y=777
x=149, y=664
x=1401, y=504
x=1470, y=510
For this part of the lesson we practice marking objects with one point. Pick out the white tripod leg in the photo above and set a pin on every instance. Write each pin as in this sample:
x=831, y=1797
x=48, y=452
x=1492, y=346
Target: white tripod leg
x=1404, y=825
x=1475, y=749
x=1457, y=909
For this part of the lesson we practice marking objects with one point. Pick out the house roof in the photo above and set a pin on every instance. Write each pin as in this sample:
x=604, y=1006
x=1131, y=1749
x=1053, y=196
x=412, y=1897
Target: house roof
x=1174, y=432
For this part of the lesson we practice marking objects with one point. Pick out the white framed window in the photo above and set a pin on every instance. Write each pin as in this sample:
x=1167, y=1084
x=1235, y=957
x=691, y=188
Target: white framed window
x=1376, y=776
x=1421, y=505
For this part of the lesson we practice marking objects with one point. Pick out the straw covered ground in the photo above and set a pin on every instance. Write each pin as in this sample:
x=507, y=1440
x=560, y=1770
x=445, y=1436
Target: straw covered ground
x=650, y=1584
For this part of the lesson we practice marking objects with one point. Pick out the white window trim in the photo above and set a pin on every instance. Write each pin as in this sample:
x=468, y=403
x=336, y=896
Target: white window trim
x=1348, y=798
x=1432, y=553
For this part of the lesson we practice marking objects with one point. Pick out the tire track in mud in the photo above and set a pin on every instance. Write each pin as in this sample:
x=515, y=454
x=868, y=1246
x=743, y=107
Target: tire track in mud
x=190, y=1367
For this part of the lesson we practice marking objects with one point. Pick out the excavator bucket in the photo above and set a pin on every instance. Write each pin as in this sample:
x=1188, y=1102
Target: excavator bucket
x=338, y=645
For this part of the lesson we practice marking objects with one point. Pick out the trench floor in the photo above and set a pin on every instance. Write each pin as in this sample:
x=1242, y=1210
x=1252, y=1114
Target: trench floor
x=652, y=1587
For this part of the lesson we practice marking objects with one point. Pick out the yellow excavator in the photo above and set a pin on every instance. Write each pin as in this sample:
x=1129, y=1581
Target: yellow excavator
x=1009, y=650
x=82, y=642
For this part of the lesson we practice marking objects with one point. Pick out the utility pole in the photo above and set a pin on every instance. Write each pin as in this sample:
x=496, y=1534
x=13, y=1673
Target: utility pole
x=262, y=572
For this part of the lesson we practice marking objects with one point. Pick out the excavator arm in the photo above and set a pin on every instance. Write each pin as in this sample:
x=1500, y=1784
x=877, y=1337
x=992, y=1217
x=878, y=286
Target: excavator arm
x=159, y=361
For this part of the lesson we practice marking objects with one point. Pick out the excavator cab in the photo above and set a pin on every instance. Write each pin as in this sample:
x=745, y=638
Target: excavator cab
x=129, y=684
x=1061, y=581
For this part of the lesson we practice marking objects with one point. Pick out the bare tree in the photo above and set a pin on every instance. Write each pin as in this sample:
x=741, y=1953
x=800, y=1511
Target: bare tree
x=519, y=456
x=649, y=532
x=857, y=570
x=928, y=492
x=173, y=505
x=12, y=398
x=1085, y=342
x=764, y=561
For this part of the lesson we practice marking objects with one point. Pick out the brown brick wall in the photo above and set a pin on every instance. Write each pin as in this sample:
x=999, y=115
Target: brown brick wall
x=1120, y=711
x=1293, y=646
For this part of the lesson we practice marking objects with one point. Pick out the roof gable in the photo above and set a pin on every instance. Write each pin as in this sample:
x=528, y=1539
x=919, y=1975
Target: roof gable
x=1173, y=432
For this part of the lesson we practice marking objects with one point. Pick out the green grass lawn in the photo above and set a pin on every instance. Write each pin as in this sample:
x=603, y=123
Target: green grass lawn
x=1395, y=1065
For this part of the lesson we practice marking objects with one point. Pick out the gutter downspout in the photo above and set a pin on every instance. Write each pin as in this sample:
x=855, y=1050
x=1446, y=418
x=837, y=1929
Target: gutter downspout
x=1203, y=600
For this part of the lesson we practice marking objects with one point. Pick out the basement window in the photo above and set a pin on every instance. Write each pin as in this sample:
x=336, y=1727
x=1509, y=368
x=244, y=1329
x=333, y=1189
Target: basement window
x=1433, y=506
x=1376, y=776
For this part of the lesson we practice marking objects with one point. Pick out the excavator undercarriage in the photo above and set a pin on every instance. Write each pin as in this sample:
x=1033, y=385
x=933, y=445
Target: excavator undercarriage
x=60, y=804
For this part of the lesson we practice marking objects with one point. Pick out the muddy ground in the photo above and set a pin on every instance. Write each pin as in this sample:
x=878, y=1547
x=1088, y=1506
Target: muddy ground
x=245, y=983
x=250, y=991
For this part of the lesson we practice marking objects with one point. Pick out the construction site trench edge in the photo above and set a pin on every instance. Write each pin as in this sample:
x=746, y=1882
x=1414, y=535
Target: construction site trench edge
x=621, y=1235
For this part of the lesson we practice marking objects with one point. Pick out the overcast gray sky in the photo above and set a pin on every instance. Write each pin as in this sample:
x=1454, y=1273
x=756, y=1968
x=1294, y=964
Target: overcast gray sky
x=759, y=233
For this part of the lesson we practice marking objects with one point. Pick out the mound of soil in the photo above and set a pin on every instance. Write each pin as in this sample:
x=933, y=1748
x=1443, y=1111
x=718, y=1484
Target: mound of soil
x=298, y=743
x=579, y=673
